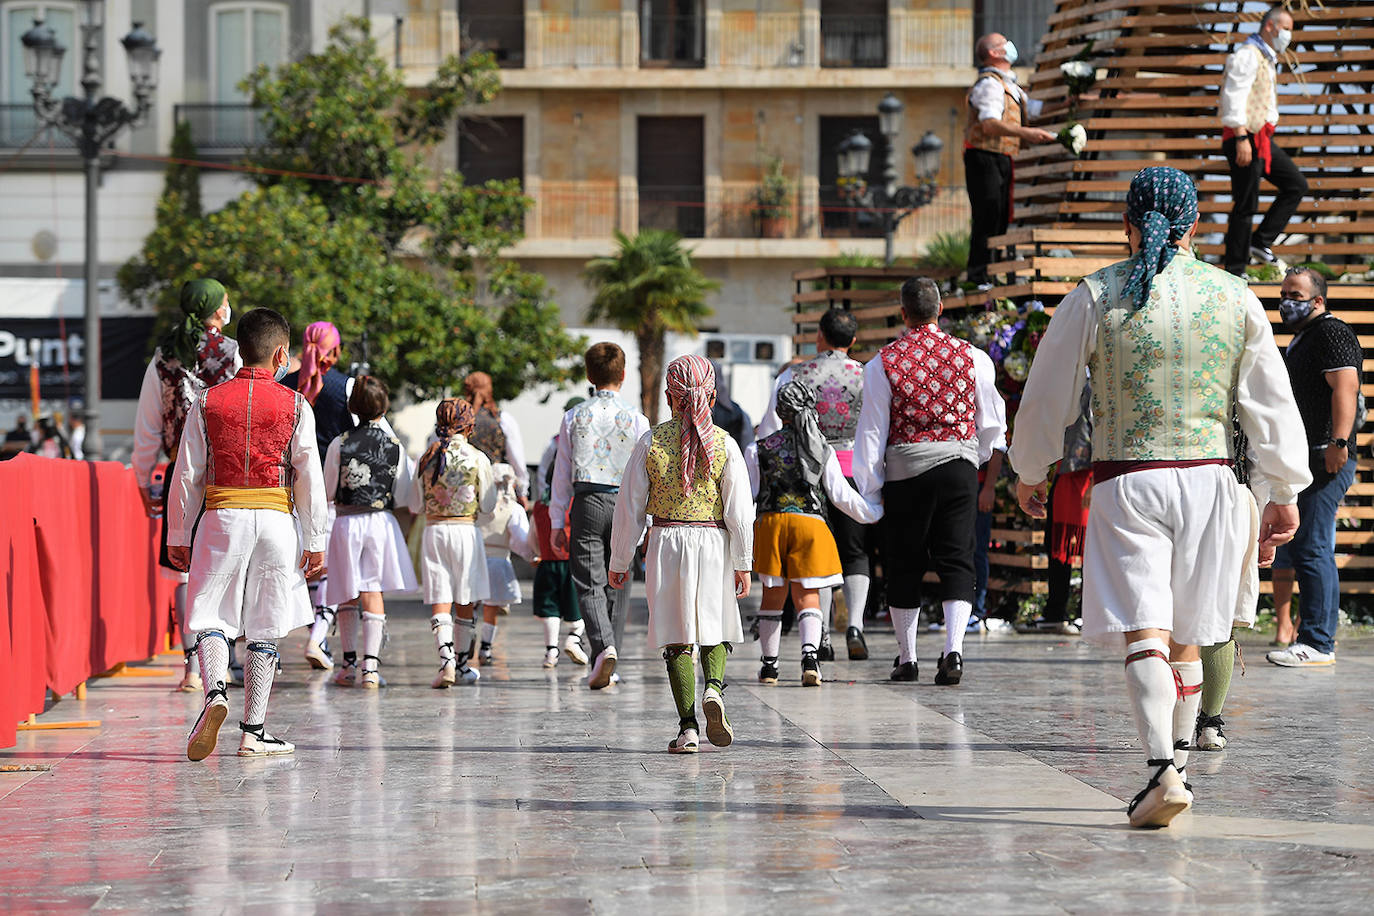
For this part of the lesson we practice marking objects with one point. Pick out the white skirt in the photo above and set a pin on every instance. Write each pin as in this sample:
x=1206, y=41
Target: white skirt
x=367, y=553
x=504, y=587
x=245, y=577
x=1171, y=549
x=453, y=564
x=690, y=580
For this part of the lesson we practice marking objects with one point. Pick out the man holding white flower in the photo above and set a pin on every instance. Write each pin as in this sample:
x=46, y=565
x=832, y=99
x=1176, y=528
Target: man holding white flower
x=996, y=107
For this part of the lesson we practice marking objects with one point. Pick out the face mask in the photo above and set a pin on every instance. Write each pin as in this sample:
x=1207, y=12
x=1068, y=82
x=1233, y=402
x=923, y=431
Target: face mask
x=1283, y=40
x=1009, y=51
x=280, y=372
x=1294, y=311
x=227, y=313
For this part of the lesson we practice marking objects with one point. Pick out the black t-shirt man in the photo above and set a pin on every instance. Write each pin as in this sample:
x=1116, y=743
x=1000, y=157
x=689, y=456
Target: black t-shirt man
x=1326, y=345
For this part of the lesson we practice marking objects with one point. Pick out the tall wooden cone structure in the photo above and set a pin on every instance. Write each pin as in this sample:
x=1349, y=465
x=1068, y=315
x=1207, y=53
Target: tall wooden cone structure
x=1155, y=102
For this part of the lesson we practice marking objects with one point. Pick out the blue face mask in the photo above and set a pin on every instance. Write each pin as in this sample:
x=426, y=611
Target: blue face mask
x=281, y=371
x=1010, y=51
x=1294, y=311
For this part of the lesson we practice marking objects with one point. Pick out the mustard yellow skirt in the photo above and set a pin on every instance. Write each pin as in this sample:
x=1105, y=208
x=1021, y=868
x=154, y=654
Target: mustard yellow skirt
x=791, y=546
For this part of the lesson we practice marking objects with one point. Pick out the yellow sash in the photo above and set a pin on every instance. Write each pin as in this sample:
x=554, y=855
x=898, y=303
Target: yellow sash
x=278, y=498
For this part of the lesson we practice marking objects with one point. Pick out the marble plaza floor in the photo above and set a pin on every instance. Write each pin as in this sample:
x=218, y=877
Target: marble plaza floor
x=530, y=794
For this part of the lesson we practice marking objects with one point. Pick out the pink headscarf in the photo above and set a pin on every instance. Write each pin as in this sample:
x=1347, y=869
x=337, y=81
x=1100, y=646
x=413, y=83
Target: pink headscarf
x=320, y=338
x=691, y=382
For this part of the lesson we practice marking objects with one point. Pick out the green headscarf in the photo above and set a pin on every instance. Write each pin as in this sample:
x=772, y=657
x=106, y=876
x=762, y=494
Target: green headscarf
x=199, y=300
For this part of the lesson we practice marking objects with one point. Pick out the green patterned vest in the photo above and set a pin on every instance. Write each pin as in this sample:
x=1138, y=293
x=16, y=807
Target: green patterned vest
x=1164, y=376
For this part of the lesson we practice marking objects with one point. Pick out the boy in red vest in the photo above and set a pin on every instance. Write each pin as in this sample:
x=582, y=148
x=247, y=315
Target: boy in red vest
x=248, y=455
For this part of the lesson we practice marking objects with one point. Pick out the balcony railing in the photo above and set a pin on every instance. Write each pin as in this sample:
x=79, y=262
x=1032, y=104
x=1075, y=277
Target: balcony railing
x=595, y=209
x=854, y=41
x=729, y=40
x=219, y=127
x=20, y=129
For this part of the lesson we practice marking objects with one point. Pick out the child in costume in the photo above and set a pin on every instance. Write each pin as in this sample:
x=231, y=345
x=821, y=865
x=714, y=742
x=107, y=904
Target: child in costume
x=689, y=475
x=452, y=484
x=504, y=527
x=248, y=456
x=366, y=474
x=792, y=474
x=555, y=595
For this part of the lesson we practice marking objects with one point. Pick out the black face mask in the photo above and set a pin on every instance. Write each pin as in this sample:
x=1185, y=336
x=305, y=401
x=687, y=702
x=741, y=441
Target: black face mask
x=1295, y=311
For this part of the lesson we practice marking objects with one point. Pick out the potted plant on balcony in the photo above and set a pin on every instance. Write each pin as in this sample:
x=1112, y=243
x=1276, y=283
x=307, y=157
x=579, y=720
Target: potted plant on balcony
x=772, y=201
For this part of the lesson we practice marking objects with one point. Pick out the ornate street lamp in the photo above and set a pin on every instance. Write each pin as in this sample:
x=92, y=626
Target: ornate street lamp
x=91, y=121
x=891, y=203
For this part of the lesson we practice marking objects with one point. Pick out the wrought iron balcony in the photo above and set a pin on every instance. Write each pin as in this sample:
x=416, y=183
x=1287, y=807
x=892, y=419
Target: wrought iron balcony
x=19, y=129
x=222, y=126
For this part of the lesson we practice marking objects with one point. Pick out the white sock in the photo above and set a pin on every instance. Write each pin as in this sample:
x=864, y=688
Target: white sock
x=856, y=599
x=374, y=625
x=904, y=623
x=578, y=628
x=324, y=616
x=488, y=633
x=1150, y=685
x=956, y=620
x=827, y=596
x=550, y=631
x=348, y=628
x=1185, y=708
x=809, y=627
x=442, y=627
x=462, y=639
x=770, y=633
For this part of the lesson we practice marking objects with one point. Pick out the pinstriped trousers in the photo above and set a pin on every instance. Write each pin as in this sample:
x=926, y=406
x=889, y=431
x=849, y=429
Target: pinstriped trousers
x=589, y=548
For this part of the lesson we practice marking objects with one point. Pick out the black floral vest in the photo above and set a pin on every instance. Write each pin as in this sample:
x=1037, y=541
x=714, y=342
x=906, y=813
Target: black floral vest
x=487, y=436
x=368, y=457
x=782, y=487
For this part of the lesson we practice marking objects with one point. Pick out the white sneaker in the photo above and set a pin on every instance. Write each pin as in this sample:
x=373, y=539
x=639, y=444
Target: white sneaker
x=447, y=676
x=572, y=647
x=600, y=678
x=999, y=625
x=253, y=745
x=201, y=742
x=686, y=742
x=347, y=676
x=718, y=730
x=1301, y=656
x=1209, y=735
x=468, y=675
x=190, y=681
x=1161, y=801
x=317, y=657
x=485, y=653
x=934, y=627
x=551, y=657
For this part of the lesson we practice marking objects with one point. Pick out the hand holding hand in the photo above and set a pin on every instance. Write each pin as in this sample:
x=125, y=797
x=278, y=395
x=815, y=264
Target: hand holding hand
x=742, y=580
x=617, y=579
x=1033, y=499
x=560, y=540
x=312, y=561
x=179, y=557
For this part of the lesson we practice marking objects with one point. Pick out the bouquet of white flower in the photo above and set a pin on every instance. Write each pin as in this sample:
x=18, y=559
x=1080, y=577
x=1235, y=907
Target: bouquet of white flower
x=1079, y=74
x=1073, y=138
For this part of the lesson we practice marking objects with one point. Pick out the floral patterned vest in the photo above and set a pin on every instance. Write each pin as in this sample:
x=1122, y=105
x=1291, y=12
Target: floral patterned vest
x=214, y=365
x=782, y=488
x=932, y=380
x=666, y=499
x=603, y=436
x=839, y=385
x=368, y=457
x=455, y=493
x=487, y=436
x=1164, y=376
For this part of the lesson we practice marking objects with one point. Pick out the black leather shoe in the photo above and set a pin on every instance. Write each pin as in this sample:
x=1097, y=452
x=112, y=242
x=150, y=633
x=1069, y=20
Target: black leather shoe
x=903, y=671
x=826, y=652
x=854, y=641
x=951, y=669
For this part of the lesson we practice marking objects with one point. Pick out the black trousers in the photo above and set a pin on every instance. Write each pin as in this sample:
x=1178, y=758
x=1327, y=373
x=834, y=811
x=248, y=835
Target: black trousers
x=988, y=178
x=853, y=540
x=928, y=524
x=1245, y=187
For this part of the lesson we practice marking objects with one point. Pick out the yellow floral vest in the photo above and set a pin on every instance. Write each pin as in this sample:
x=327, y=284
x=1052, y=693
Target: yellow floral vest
x=666, y=499
x=455, y=493
x=1164, y=376
x=1261, y=93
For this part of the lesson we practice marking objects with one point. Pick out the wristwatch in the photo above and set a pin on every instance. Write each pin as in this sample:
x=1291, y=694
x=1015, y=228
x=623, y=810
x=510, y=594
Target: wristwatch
x=1342, y=443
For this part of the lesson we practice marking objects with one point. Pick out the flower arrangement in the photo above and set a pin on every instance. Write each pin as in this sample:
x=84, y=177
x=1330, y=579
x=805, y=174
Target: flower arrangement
x=1073, y=138
x=1079, y=74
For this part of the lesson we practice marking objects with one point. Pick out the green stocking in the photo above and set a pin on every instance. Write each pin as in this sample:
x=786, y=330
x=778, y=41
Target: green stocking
x=713, y=663
x=682, y=677
x=1217, y=664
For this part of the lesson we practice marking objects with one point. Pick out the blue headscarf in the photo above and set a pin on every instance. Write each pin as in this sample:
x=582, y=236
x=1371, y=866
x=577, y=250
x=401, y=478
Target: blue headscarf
x=1162, y=204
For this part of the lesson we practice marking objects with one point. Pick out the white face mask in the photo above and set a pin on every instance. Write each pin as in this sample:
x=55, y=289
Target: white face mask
x=1009, y=52
x=1283, y=40
x=226, y=313
x=281, y=370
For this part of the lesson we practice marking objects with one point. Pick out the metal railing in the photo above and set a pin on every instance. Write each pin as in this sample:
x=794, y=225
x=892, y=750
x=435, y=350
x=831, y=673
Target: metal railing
x=20, y=129
x=760, y=41
x=218, y=126
x=854, y=41
x=679, y=208
x=582, y=40
x=672, y=41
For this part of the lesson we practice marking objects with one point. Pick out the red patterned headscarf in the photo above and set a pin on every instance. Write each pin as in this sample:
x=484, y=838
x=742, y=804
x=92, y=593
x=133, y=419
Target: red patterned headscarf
x=691, y=383
x=321, y=338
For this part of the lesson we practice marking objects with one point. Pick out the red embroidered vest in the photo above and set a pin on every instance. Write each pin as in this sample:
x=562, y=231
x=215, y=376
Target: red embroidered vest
x=932, y=381
x=249, y=422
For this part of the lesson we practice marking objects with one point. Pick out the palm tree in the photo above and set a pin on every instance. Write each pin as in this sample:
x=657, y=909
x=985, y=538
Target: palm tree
x=649, y=287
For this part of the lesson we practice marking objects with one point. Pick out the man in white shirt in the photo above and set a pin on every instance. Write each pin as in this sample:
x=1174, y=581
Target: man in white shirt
x=1249, y=114
x=930, y=417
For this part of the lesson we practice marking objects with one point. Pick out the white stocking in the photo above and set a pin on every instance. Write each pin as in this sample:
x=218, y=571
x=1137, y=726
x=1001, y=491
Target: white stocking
x=551, y=631
x=809, y=627
x=1185, y=708
x=374, y=626
x=770, y=633
x=904, y=623
x=1150, y=684
x=856, y=599
x=956, y=620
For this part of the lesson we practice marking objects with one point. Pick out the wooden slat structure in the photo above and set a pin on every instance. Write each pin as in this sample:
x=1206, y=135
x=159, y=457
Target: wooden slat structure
x=1159, y=71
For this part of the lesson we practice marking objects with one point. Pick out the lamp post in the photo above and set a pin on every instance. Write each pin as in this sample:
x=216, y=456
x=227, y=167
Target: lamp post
x=891, y=203
x=91, y=121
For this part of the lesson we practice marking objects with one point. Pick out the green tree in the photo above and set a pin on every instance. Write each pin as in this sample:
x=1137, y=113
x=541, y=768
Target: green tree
x=649, y=287
x=349, y=224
